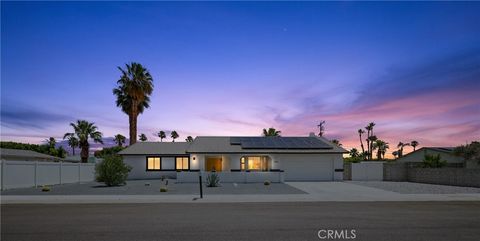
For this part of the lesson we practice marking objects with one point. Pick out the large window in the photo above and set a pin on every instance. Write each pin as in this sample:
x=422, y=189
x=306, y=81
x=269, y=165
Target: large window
x=153, y=164
x=182, y=163
x=254, y=163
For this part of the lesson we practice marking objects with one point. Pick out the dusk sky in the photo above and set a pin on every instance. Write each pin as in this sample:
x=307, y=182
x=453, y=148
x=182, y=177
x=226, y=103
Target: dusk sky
x=229, y=68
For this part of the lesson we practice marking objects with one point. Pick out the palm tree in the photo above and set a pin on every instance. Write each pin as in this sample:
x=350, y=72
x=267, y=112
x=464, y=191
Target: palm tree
x=369, y=129
x=381, y=147
x=395, y=154
x=119, y=139
x=360, y=132
x=72, y=142
x=336, y=142
x=133, y=94
x=51, y=142
x=189, y=139
x=372, y=139
x=83, y=130
x=271, y=132
x=401, y=145
x=174, y=135
x=354, y=153
x=142, y=137
x=414, y=144
x=161, y=135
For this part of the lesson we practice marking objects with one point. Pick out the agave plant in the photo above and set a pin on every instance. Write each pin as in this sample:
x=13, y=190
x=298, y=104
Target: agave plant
x=213, y=180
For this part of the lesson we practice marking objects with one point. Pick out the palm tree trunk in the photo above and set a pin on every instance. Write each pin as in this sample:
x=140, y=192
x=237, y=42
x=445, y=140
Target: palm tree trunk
x=361, y=143
x=132, y=119
x=73, y=151
x=84, y=153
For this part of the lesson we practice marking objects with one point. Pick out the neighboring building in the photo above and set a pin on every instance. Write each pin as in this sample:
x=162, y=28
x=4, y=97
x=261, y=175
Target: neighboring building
x=252, y=158
x=25, y=155
x=446, y=153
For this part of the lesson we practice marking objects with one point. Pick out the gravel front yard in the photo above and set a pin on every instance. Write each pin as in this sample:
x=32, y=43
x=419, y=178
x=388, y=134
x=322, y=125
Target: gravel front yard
x=416, y=188
x=138, y=187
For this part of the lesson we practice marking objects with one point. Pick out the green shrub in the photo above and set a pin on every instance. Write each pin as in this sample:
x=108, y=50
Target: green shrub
x=45, y=189
x=112, y=171
x=213, y=179
x=433, y=161
x=163, y=189
x=266, y=183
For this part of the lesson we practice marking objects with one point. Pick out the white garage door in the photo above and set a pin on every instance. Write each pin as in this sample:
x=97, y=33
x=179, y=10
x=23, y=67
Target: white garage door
x=307, y=169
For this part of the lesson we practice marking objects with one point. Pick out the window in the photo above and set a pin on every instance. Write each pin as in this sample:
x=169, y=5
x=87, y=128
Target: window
x=254, y=163
x=242, y=164
x=153, y=164
x=182, y=163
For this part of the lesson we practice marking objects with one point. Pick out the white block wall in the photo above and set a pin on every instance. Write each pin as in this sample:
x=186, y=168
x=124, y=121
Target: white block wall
x=17, y=174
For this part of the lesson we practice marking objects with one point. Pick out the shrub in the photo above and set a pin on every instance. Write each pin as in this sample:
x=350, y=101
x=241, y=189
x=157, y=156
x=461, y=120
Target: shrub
x=433, y=161
x=213, y=179
x=163, y=189
x=112, y=171
x=266, y=183
x=45, y=189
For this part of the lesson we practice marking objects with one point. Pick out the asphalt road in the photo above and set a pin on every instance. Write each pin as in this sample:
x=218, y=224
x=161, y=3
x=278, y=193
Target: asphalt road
x=242, y=221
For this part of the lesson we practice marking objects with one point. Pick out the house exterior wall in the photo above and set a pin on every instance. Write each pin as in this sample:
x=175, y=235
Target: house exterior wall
x=297, y=167
x=420, y=154
x=139, y=169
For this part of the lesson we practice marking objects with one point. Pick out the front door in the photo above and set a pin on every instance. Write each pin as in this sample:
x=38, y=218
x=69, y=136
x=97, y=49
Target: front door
x=213, y=164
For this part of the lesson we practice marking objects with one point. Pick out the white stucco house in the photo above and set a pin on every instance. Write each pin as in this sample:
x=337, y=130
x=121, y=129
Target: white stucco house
x=238, y=159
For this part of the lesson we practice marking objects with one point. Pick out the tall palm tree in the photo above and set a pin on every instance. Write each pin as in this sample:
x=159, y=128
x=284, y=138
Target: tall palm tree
x=189, y=139
x=369, y=129
x=161, y=135
x=372, y=139
x=142, y=137
x=414, y=144
x=174, y=135
x=133, y=94
x=360, y=132
x=271, y=132
x=72, y=142
x=119, y=140
x=83, y=130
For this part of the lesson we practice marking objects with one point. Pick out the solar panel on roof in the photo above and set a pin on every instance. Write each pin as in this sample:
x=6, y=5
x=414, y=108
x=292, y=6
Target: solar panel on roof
x=279, y=143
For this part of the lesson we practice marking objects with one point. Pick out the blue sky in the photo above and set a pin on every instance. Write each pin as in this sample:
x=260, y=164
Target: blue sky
x=233, y=68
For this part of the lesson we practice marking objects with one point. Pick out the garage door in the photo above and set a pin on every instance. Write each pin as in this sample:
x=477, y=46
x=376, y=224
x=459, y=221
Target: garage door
x=307, y=169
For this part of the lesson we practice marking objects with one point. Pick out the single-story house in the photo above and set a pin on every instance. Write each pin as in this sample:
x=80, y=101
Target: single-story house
x=235, y=159
x=25, y=155
x=446, y=153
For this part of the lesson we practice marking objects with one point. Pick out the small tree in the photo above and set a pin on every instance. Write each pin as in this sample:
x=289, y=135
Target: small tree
x=433, y=161
x=174, y=135
x=112, y=171
x=142, y=137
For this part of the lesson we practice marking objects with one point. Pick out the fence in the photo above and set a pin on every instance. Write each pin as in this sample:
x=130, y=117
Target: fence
x=367, y=171
x=16, y=174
